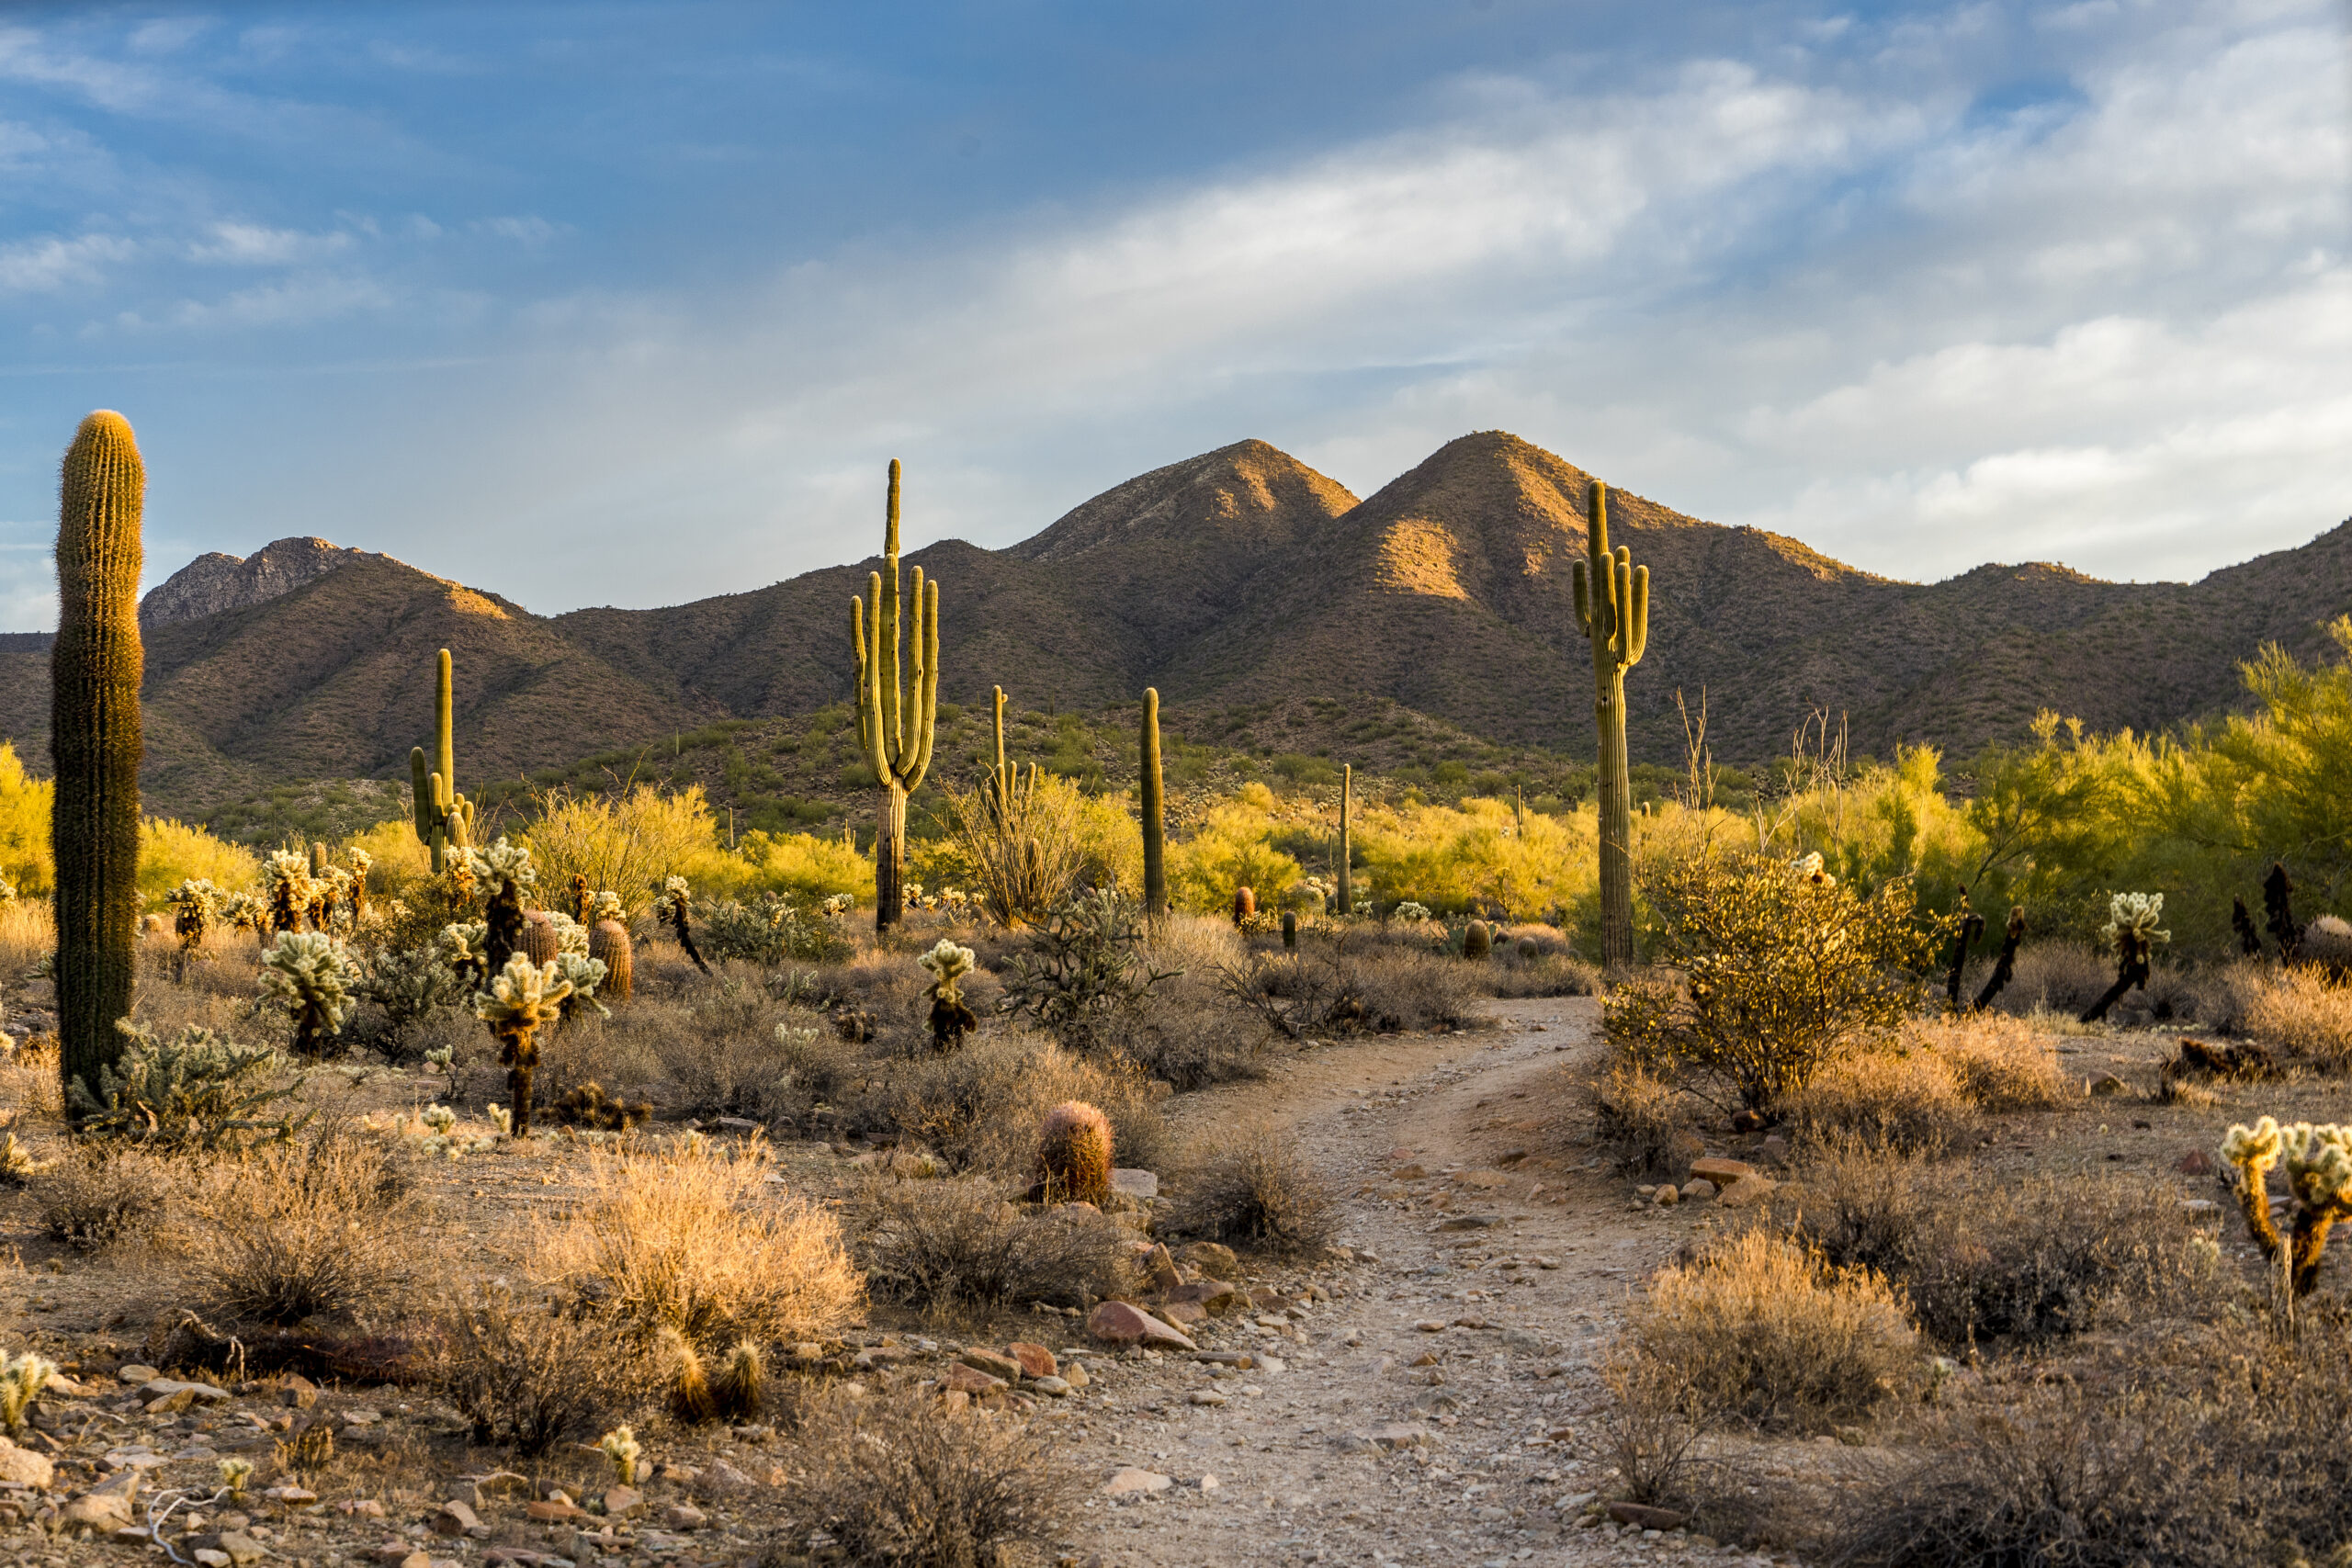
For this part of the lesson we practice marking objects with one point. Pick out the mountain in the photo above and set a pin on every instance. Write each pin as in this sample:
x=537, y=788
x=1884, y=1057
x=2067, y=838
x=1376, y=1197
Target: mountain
x=1238, y=579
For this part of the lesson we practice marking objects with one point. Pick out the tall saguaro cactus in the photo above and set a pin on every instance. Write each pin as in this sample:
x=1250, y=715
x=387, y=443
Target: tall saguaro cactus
x=444, y=817
x=95, y=740
x=1155, y=812
x=1347, y=889
x=1612, y=598
x=894, y=728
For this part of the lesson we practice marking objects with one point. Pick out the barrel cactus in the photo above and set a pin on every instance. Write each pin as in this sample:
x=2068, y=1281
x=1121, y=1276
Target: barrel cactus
x=608, y=944
x=1245, y=906
x=539, y=944
x=1074, y=1153
x=1476, y=943
x=314, y=978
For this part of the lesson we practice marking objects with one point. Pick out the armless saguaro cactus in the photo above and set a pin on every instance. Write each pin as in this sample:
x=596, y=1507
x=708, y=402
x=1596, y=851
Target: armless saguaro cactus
x=95, y=742
x=895, y=728
x=1613, y=611
x=444, y=817
x=1155, y=813
x=1347, y=889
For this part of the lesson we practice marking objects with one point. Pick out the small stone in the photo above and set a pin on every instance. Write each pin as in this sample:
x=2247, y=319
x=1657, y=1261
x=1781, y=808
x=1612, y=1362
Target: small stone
x=1400, y=1435
x=1207, y=1397
x=1132, y=1482
x=621, y=1502
x=1001, y=1367
x=1052, y=1388
x=2196, y=1162
x=242, y=1548
x=1430, y=1325
x=297, y=1391
x=969, y=1380
x=1212, y=1259
x=2107, y=1086
x=685, y=1516
x=1722, y=1172
x=133, y=1372
x=1747, y=1190
x=721, y=1479
x=1667, y=1196
x=1134, y=1183
x=292, y=1496
x=22, y=1467
x=1207, y=1483
x=1271, y=1364
x=1076, y=1375
x=546, y=1511
x=106, y=1508
x=1117, y=1323
x=1184, y=1314
x=1160, y=1270
x=1698, y=1190
x=1642, y=1516
x=1035, y=1360
x=361, y=1416
x=213, y=1557
x=1471, y=1222
x=454, y=1519
x=1218, y=1298
x=1410, y=1173
x=361, y=1508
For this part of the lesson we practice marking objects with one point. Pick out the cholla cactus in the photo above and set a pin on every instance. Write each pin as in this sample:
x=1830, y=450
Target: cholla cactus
x=234, y=1473
x=245, y=912
x=194, y=902
x=606, y=905
x=837, y=904
x=1411, y=912
x=289, y=890
x=621, y=1447
x=312, y=976
x=2131, y=927
x=440, y=1118
x=521, y=1001
x=17, y=1167
x=2319, y=1176
x=504, y=860
x=464, y=948
x=950, y=1018
x=500, y=1118
x=674, y=893
x=7, y=891
x=571, y=936
x=583, y=975
x=21, y=1379
x=1808, y=867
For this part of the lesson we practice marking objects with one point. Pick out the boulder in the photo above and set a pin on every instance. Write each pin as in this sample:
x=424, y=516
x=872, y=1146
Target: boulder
x=1035, y=1360
x=994, y=1363
x=968, y=1380
x=1698, y=1190
x=1134, y=1183
x=1721, y=1171
x=22, y=1467
x=106, y=1508
x=621, y=1502
x=1211, y=1259
x=1117, y=1322
x=1747, y=1190
x=1215, y=1297
x=1160, y=1270
x=455, y=1517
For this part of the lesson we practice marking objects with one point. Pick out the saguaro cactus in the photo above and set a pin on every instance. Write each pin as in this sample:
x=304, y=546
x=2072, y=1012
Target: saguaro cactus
x=894, y=728
x=95, y=740
x=1613, y=599
x=1346, y=801
x=1155, y=810
x=444, y=817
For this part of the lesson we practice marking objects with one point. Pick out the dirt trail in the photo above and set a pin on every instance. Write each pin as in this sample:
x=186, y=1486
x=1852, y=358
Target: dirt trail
x=1526, y=1301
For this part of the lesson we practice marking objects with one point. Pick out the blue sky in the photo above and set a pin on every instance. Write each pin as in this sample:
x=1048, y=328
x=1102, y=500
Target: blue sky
x=630, y=303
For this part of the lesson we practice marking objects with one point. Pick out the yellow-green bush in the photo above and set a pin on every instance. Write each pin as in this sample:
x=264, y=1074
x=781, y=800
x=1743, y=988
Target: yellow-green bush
x=627, y=843
x=802, y=866
x=171, y=853
x=24, y=826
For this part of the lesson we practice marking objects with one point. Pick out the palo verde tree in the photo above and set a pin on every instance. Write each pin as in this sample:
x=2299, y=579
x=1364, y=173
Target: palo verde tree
x=1613, y=610
x=894, y=726
x=96, y=742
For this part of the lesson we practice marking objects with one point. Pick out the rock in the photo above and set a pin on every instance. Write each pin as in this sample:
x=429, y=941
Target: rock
x=1207, y=1483
x=106, y=1508
x=1667, y=1196
x=1698, y=1190
x=992, y=1362
x=213, y=1557
x=165, y=1387
x=622, y=1502
x=241, y=1548
x=1117, y=1323
x=1410, y=1173
x=1184, y=1314
x=1486, y=1179
x=132, y=1372
x=1215, y=1297
x=1075, y=1374
x=1131, y=1482
x=1722, y=1172
x=297, y=1391
x=1400, y=1435
x=1430, y=1325
x=1747, y=1190
x=547, y=1512
x=966, y=1380
x=2196, y=1162
x=454, y=1519
x=1212, y=1259
x=1773, y=1152
x=293, y=1497
x=1471, y=1222
x=2107, y=1085
x=22, y=1467
x=1160, y=1270
x=361, y=1508
x=498, y=1483
x=359, y=1415
x=1134, y=1183
x=1034, y=1361
x=1271, y=1364
x=721, y=1479
x=170, y=1403
x=685, y=1516
x=1522, y=1341
x=1644, y=1516
x=1052, y=1387
x=1207, y=1397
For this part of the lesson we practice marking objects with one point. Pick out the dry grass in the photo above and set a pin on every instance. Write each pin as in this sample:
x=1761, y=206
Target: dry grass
x=1905, y=1100
x=1644, y=1121
x=959, y=1242
x=1999, y=1063
x=895, y=1480
x=2300, y=1011
x=980, y=1109
x=312, y=1227
x=1764, y=1331
x=698, y=1241
x=1258, y=1190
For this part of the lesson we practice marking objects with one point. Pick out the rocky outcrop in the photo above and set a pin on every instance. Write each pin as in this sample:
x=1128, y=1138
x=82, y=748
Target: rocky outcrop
x=214, y=582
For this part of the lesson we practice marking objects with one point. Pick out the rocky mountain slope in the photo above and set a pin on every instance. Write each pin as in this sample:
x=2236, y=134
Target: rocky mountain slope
x=1236, y=578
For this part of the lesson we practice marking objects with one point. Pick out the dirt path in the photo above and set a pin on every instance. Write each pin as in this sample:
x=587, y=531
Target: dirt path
x=1525, y=1264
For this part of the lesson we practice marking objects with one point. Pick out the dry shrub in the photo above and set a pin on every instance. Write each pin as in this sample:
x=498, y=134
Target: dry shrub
x=1257, y=1188
x=1537, y=960
x=1765, y=1331
x=1642, y=1118
x=697, y=1240
x=1982, y=1255
x=311, y=1228
x=936, y=1243
x=1185, y=1031
x=896, y=1480
x=528, y=1374
x=1906, y=1101
x=2059, y=978
x=718, y=1051
x=2299, y=1010
x=884, y=989
x=1413, y=988
x=102, y=1195
x=980, y=1109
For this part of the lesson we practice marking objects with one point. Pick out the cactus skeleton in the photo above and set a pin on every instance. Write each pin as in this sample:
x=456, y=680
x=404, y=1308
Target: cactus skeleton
x=444, y=819
x=95, y=740
x=1612, y=601
x=895, y=726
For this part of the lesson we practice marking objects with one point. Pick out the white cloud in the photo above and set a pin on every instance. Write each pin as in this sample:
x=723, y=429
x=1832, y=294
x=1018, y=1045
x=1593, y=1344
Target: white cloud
x=49, y=262
x=252, y=244
x=299, y=300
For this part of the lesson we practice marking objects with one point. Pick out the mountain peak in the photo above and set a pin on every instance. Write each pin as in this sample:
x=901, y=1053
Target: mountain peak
x=1251, y=494
x=216, y=581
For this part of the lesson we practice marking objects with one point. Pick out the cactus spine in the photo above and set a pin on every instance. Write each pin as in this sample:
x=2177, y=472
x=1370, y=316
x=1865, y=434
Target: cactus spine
x=95, y=742
x=444, y=817
x=1155, y=813
x=1612, y=597
x=895, y=728
x=1347, y=800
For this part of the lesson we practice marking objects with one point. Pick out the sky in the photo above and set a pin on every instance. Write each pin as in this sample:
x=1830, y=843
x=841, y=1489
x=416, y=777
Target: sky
x=594, y=303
